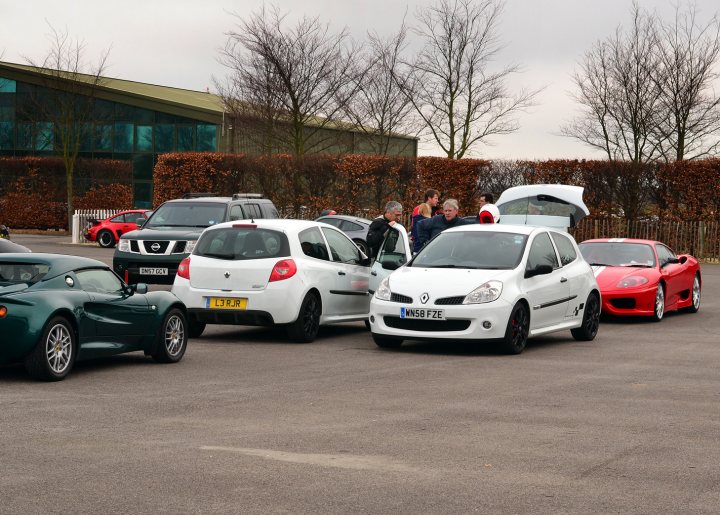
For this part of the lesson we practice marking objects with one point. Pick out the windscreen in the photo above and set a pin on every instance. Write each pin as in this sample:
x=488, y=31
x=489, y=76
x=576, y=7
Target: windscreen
x=479, y=250
x=191, y=214
x=618, y=254
x=546, y=205
x=233, y=243
x=17, y=273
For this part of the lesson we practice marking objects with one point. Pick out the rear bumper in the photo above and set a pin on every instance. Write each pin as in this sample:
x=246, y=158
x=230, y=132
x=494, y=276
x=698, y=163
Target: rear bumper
x=231, y=317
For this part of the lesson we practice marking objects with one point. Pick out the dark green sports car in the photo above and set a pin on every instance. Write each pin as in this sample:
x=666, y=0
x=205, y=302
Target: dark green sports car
x=55, y=309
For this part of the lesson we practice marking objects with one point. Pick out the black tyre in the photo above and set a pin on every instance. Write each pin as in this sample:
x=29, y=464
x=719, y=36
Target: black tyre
x=172, y=338
x=363, y=246
x=590, y=321
x=307, y=325
x=659, y=311
x=386, y=343
x=106, y=239
x=367, y=324
x=516, y=333
x=54, y=355
x=195, y=328
x=696, y=291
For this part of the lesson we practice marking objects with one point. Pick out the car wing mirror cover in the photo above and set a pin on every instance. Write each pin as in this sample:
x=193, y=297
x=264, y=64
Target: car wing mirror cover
x=391, y=265
x=538, y=270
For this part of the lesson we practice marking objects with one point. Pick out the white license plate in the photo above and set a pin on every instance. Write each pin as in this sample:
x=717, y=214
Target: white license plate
x=422, y=313
x=153, y=271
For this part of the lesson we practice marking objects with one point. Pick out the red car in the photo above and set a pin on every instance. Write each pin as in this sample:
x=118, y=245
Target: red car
x=643, y=277
x=107, y=232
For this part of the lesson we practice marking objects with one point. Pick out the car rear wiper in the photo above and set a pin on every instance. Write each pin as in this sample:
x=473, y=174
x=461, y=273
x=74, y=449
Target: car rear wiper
x=219, y=256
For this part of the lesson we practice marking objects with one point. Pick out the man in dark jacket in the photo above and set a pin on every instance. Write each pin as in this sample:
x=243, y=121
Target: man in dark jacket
x=431, y=227
x=381, y=225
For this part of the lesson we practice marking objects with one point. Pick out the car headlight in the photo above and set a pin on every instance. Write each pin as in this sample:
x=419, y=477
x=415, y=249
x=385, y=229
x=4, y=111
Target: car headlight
x=487, y=292
x=124, y=245
x=190, y=246
x=632, y=281
x=383, y=292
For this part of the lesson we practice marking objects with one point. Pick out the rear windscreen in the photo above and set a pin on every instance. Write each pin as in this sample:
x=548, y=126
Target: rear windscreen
x=17, y=273
x=242, y=243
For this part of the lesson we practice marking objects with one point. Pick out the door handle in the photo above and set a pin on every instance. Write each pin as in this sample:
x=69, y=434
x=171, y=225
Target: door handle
x=563, y=279
x=373, y=272
x=341, y=273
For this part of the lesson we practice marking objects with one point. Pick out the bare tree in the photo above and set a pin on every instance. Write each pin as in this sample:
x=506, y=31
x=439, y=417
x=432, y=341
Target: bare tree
x=382, y=106
x=688, y=57
x=620, y=97
x=62, y=111
x=300, y=77
x=459, y=98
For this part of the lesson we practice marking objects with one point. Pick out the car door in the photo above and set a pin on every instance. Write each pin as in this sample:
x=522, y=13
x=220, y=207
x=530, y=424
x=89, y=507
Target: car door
x=575, y=270
x=673, y=274
x=394, y=252
x=322, y=273
x=547, y=293
x=121, y=319
x=354, y=277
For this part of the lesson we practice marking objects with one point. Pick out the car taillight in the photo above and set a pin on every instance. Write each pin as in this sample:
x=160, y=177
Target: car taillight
x=283, y=269
x=184, y=268
x=3, y=311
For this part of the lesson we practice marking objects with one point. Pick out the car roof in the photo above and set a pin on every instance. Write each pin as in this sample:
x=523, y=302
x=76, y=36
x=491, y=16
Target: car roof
x=279, y=224
x=518, y=229
x=621, y=240
x=59, y=263
x=346, y=217
x=219, y=200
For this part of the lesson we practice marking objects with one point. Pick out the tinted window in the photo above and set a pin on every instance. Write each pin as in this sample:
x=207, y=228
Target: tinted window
x=118, y=219
x=335, y=222
x=242, y=243
x=313, y=245
x=195, y=214
x=99, y=280
x=236, y=212
x=253, y=211
x=16, y=273
x=351, y=226
x=485, y=250
x=664, y=254
x=542, y=252
x=565, y=248
x=341, y=248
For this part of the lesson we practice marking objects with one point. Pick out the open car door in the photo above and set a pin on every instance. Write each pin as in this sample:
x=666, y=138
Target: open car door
x=544, y=205
x=394, y=252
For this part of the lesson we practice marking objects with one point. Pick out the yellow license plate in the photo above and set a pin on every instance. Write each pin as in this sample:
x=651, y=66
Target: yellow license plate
x=226, y=303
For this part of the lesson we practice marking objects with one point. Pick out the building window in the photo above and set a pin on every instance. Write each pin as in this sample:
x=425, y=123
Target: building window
x=144, y=138
x=164, y=138
x=185, y=137
x=103, y=138
x=7, y=86
x=206, y=138
x=44, y=136
x=124, y=137
x=7, y=139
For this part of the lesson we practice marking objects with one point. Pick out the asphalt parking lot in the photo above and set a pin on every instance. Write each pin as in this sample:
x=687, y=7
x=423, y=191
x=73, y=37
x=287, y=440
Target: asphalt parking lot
x=249, y=423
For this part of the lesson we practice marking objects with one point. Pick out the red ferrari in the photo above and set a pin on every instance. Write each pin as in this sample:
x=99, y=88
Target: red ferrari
x=107, y=232
x=643, y=277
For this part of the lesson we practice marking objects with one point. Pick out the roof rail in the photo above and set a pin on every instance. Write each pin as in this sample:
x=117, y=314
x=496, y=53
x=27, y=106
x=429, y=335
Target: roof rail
x=198, y=194
x=237, y=196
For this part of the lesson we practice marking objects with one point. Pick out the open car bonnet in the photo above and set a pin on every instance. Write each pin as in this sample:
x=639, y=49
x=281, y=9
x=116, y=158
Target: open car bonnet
x=544, y=205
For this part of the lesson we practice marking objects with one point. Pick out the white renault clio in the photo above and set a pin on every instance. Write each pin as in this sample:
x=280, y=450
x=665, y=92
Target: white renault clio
x=497, y=282
x=298, y=273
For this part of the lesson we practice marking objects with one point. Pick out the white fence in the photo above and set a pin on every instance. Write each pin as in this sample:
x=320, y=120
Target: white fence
x=82, y=218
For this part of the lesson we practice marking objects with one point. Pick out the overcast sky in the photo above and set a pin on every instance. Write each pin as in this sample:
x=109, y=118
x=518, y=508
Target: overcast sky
x=176, y=43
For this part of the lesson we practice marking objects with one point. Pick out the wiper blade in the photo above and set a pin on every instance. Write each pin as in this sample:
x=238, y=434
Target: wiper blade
x=636, y=265
x=599, y=264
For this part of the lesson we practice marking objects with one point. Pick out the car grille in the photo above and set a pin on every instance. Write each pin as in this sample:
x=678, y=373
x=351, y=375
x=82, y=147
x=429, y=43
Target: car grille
x=426, y=325
x=134, y=247
x=155, y=247
x=447, y=301
x=623, y=303
x=397, y=297
x=180, y=247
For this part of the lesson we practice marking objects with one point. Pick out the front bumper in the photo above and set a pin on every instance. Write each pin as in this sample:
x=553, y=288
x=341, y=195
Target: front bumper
x=630, y=301
x=462, y=322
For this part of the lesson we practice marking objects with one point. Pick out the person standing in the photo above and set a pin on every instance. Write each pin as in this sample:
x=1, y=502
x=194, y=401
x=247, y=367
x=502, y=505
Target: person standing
x=381, y=225
x=488, y=212
x=431, y=227
x=422, y=212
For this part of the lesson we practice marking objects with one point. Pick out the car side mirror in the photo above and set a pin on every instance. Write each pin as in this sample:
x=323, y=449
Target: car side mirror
x=390, y=265
x=672, y=261
x=137, y=288
x=365, y=261
x=538, y=270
